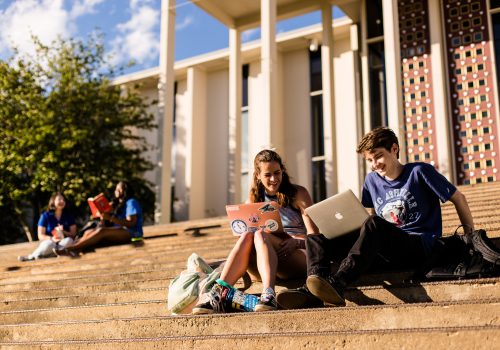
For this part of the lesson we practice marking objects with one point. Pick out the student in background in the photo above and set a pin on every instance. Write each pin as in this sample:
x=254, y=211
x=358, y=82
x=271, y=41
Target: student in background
x=263, y=253
x=404, y=200
x=126, y=220
x=56, y=228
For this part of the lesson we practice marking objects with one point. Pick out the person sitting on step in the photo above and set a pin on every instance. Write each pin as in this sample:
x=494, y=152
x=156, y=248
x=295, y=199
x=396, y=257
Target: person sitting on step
x=56, y=229
x=263, y=253
x=126, y=221
x=404, y=203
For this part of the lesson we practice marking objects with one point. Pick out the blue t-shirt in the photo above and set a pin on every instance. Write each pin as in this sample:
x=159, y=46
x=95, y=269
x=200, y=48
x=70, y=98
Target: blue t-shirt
x=132, y=207
x=411, y=201
x=49, y=221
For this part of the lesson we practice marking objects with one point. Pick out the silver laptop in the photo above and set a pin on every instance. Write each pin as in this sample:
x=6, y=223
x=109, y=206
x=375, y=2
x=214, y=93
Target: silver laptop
x=338, y=215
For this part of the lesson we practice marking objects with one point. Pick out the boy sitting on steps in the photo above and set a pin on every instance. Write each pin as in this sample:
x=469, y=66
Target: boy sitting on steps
x=405, y=220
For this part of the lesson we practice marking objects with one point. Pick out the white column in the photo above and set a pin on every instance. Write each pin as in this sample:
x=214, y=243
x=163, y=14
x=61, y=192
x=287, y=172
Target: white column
x=235, y=81
x=196, y=142
x=360, y=169
x=442, y=137
x=166, y=103
x=269, y=73
x=365, y=72
x=393, y=71
x=329, y=119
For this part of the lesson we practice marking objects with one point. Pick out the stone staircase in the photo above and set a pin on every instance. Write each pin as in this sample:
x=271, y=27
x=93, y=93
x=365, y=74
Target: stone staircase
x=115, y=297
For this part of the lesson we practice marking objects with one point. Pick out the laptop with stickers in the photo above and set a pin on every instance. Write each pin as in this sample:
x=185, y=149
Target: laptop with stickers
x=253, y=216
x=338, y=215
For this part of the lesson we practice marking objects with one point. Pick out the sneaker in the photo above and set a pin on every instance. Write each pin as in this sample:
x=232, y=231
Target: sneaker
x=299, y=298
x=210, y=302
x=328, y=289
x=65, y=252
x=25, y=258
x=267, y=301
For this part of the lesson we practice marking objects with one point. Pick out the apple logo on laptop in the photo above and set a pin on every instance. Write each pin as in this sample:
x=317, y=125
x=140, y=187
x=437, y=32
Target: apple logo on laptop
x=338, y=216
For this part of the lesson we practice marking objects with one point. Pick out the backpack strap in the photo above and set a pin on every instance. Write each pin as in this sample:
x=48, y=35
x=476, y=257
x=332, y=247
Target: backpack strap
x=482, y=244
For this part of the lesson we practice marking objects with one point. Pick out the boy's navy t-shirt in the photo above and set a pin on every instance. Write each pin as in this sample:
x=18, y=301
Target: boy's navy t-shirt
x=411, y=202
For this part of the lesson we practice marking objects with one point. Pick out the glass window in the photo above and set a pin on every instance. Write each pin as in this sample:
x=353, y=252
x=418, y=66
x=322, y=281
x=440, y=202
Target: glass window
x=245, y=161
x=319, y=183
x=375, y=20
x=475, y=6
x=495, y=19
x=315, y=70
x=317, y=137
x=318, y=147
x=244, y=87
x=494, y=4
x=378, y=98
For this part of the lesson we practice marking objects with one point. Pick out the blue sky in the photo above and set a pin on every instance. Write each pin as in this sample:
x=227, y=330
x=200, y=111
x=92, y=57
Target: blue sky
x=131, y=27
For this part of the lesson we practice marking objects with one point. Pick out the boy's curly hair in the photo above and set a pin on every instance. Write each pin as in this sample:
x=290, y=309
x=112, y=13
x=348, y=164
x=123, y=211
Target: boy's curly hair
x=378, y=137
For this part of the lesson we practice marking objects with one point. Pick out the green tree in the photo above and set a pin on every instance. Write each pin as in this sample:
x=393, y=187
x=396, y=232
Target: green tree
x=65, y=127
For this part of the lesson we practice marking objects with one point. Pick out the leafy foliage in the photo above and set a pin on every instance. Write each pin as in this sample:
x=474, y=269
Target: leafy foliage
x=65, y=127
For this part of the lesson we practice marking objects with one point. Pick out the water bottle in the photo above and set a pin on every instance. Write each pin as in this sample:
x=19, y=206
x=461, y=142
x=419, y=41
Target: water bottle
x=236, y=299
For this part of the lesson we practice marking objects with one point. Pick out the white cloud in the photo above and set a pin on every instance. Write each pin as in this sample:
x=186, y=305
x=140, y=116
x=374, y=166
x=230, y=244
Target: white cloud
x=250, y=34
x=46, y=19
x=84, y=7
x=136, y=4
x=138, y=37
x=186, y=22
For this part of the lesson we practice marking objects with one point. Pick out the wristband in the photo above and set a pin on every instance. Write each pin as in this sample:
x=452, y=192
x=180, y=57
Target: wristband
x=223, y=283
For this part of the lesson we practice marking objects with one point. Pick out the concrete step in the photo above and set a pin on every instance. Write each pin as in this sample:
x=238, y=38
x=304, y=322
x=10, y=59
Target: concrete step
x=57, y=304
x=89, y=280
x=149, y=308
x=78, y=299
x=27, y=294
x=348, y=319
x=478, y=338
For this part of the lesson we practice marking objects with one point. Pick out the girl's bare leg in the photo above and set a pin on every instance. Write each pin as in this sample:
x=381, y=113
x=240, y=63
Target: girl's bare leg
x=237, y=261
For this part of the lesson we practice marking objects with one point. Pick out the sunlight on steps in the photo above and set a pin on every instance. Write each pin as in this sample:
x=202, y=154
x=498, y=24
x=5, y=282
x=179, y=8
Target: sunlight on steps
x=115, y=297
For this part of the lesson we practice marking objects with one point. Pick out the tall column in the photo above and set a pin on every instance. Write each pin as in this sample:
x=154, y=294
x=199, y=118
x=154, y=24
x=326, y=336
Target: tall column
x=440, y=95
x=355, y=48
x=196, y=142
x=393, y=71
x=269, y=67
x=329, y=119
x=365, y=72
x=235, y=91
x=166, y=103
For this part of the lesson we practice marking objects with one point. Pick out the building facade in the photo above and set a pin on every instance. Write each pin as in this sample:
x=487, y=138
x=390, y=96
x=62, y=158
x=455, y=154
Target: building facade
x=425, y=68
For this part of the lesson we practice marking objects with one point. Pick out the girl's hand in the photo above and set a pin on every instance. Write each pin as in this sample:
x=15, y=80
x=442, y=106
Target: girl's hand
x=287, y=247
x=106, y=216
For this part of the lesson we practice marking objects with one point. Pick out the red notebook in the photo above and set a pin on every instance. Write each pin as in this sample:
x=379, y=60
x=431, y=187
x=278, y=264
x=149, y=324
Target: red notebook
x=99, y=204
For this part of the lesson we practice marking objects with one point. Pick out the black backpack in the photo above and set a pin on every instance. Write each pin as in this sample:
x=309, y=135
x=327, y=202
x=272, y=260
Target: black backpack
x=460, y=256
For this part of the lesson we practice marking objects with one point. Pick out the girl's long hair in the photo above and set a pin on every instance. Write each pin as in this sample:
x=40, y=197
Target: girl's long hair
x=52, y=201
x=286, y=192
x=128, y=192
